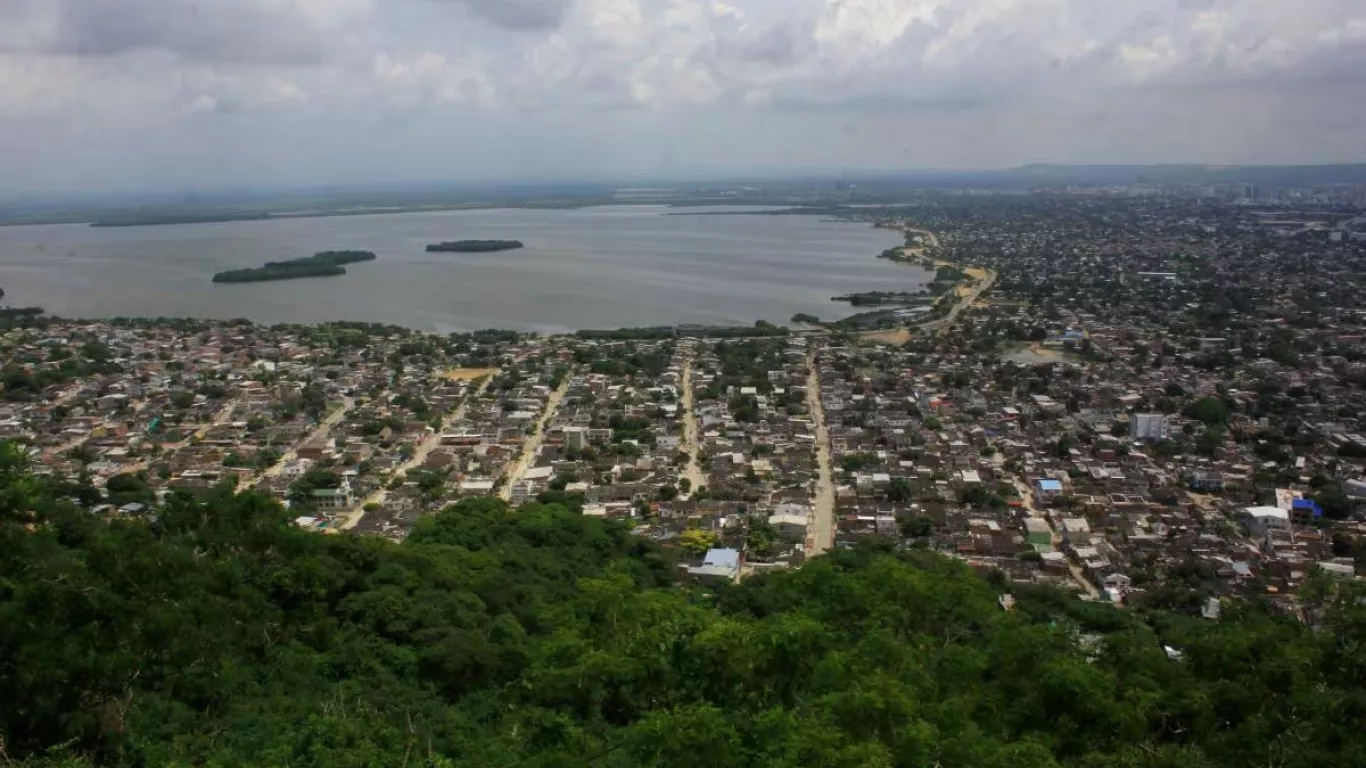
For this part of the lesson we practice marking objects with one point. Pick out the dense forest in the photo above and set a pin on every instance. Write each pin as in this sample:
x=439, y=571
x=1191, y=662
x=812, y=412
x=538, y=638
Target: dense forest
x=215, y=633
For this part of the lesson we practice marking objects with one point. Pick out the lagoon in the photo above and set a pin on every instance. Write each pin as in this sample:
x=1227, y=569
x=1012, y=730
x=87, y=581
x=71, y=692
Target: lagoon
x=604, y=267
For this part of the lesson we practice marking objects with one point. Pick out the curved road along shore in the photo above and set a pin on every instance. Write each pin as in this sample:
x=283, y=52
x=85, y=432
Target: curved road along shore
x=978, y=288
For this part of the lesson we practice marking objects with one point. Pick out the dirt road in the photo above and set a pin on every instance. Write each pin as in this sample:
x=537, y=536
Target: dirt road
x=931, y=239
x=967, y=300
x=532, y=446
x=821, y=527
x=219, y=418
x=690, y=444
x=318, y=434
x=1078, y=577
x=422, y=450
x=968, y=294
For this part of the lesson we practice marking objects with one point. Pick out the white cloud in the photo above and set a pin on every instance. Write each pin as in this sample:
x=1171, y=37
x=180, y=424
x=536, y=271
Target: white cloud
x=569, y=73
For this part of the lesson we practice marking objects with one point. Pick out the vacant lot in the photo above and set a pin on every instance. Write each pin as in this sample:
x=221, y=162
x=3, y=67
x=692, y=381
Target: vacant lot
x=894, y=336
x=469, y=374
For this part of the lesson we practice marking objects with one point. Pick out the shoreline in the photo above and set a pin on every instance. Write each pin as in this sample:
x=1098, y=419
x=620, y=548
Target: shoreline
x=977, y=280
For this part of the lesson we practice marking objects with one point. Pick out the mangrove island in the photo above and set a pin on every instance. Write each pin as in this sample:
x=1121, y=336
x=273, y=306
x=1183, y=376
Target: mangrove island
x=474, y=246
x=866, y=298
x=324, y=264
x=156, y=219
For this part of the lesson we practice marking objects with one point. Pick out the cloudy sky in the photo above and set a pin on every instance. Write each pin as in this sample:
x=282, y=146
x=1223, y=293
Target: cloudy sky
x=140, y=94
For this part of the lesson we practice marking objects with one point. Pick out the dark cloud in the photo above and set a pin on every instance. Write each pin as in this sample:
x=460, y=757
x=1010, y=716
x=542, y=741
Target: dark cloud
x=211, y=30
x=519, y=15
x=777, y=46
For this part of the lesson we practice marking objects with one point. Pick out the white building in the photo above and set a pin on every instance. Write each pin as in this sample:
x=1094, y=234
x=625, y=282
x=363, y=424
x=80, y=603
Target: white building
x=340, y=497
x=522, y=492
x=718, y=565
x=575, y=438
x=1259, y=520
x=296, y=469
x=1148, y=426
x=1355, y=488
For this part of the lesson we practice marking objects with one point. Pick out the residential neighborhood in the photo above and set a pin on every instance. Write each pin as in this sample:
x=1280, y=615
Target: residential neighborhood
x=1158, y=401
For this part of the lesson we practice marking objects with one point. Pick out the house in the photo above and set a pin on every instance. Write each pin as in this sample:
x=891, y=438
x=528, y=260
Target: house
x=717, y=565
x=790, y=521
x=1204, y=480
x=1037, y=533
x=1148, y=426
x=1343, y=571
x=477, y=486
x=1305, y=511
x=340, y=497
x=1047, y=491
x=1259, y=520
x=295, y=469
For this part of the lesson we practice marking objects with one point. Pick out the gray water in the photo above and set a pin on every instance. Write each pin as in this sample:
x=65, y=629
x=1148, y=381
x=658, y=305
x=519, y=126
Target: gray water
x=606, y=267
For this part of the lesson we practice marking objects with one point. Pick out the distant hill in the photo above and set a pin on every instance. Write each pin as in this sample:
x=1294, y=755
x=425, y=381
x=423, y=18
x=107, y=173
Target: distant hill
x=1048, y=173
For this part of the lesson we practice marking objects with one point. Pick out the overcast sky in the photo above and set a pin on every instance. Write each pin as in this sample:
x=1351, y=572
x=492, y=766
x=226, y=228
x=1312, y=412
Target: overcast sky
x=111, y=94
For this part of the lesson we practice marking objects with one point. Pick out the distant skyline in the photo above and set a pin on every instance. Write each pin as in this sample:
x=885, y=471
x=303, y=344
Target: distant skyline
x=170, y=94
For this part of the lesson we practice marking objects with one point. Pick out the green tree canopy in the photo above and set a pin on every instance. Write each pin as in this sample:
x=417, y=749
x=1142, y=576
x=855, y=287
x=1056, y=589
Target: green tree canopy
x=219, y=634
x=1209, y=410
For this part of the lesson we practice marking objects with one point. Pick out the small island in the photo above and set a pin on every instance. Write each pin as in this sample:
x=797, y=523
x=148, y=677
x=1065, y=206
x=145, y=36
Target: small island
x=325, y=264
x=474, y=246
x=867, y=298
x=336, y=257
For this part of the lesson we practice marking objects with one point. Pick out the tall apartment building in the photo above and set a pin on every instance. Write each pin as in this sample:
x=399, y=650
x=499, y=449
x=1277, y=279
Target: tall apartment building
x=1148, y=426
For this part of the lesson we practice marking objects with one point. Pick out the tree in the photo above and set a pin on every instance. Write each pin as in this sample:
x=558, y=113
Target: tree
x=316, y=478
x=696, y=541
x=182, y=399
x=1209, y=410
x=979, y=496
x=761, y=537
x=1335, y=502
x=917, y=527
x=898, y=490
x=539, y=636
x=857, y=462
x=1209, y=441
x=129, y=488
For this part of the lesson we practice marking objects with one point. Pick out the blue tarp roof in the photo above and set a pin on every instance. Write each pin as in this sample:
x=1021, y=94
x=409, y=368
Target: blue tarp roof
x=1307, y=504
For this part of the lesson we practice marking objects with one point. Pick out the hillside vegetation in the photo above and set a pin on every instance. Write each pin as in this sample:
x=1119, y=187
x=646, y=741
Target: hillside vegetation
x=217, y=634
